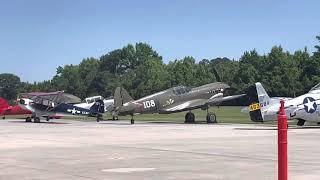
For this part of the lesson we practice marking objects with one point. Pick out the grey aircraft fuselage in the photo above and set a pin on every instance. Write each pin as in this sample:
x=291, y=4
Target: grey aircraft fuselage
x=176, y=99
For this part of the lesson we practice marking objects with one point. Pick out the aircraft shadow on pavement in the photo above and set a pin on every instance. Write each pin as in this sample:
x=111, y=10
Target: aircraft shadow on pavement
x=256, y=128
x=123, y=122
x=275, y=128
x=172, y=122
x=42, y=122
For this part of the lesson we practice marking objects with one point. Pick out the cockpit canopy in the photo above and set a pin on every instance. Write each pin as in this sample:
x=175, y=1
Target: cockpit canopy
x=316, y=87
x=93, y=99
x=181, y=90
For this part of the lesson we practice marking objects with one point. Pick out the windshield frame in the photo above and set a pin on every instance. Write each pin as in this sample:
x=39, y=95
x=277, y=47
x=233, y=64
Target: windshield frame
x=180, y=90
x=316, y=87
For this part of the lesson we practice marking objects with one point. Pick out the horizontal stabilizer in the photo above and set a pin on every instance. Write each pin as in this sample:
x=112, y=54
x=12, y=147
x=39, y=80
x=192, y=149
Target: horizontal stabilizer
x=222, y=99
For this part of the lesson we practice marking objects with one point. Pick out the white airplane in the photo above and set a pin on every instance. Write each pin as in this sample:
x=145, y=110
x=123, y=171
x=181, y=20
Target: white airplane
x=57, y=104
x=303, y=108
x=89, y=101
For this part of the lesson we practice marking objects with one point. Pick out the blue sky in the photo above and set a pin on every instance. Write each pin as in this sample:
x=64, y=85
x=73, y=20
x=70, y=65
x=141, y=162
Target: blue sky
x=36, y=36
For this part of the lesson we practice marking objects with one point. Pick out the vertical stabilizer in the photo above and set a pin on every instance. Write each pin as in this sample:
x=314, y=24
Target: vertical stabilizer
x=121, y=96
x=263, y=96
x=97, y=107
x=259, y=100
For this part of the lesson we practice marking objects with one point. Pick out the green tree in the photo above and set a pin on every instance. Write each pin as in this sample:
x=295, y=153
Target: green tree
x=68, y=78
x=248, y=73
x=9, y=85
x=88, y=69
x=183, y=72
x=152, y=77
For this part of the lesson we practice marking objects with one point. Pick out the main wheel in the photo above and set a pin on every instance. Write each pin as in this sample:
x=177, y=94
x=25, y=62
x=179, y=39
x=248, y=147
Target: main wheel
x=211, y=118
x=4, y=117
x=99, y=117
x=36, y=120
x=132, y=121
x=189, y=118
x=28, y=119
x=114, y=118
x=301, y=122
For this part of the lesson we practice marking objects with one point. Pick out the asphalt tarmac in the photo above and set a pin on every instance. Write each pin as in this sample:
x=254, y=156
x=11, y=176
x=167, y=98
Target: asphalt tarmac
x=69, y=149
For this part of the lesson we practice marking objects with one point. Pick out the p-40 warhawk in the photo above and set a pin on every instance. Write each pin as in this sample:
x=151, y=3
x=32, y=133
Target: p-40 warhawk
x=303, y=108
x=57, y=104
x=176, y=99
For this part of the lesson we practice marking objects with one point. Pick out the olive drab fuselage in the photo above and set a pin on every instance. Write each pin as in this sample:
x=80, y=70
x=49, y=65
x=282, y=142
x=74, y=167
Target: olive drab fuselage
x=175, y=99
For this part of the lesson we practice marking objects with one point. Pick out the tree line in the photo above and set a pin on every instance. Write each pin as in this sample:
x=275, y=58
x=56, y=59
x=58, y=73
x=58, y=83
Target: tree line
x=142, y=71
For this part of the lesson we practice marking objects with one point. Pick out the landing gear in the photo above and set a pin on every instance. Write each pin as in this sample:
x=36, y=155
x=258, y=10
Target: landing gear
x=132, y=120
x=114, y=115
x=115, y=118
x=28, y=119
x=211, y=118
x=48, y=118
x=4, y=117
x=301, y=122
x=189, y=118
x=36, y=120
x=99, y=117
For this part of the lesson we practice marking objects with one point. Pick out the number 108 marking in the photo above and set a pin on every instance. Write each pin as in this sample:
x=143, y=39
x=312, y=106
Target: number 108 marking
x=149, y=104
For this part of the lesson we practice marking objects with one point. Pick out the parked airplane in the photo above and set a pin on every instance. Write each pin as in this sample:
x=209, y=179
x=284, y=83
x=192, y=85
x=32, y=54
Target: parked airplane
x=57, y=104
x=7, y=110
x=89, y=101
x=176, y=99
x=303, y=108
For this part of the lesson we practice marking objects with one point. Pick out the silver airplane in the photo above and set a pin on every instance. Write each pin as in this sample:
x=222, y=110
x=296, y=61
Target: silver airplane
x=303, y=108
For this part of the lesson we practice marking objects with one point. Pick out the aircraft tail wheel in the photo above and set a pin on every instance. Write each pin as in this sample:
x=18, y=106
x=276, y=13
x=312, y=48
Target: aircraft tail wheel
x=36, y=120
x=132, y=121
x=211, y=118
x=4, y=117
x=28, y=119
x=189, y=118
x=99, y=117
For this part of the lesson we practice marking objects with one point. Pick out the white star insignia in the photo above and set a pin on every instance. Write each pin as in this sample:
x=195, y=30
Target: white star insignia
x=73, y=111
x=309, y=105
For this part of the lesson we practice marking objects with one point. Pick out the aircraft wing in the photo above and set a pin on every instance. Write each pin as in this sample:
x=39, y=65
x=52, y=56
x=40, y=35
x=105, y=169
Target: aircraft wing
x=56, y=97
x=218, y=100
x=200, y=103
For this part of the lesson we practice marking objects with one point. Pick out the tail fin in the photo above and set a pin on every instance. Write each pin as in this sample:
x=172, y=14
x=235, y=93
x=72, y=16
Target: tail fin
x=259, y=100
x=3, y=103
x=97, y=107
x=216, y=74
x=121, y=96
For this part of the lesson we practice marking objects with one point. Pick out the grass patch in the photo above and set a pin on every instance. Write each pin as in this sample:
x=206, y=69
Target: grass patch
x=225, y=114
